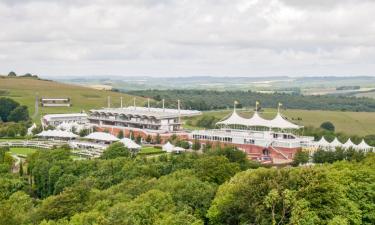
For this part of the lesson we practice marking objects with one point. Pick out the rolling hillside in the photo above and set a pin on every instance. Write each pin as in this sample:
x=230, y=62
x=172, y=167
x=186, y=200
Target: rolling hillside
x=24, y=91
x=351, y=123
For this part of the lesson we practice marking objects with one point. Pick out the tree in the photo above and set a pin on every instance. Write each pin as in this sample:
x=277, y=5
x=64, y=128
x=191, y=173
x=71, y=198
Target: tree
x=158, y=139
x=196, y=145
x=19, y=114
x=148, y=139
x=215, y=169
x=21, y=168
x=120, y=134
x=7, y=106
x=12, y=74
x=84, y=132
x=115, y=150
x=301, y=157
x=328, y=126
x=143, y=210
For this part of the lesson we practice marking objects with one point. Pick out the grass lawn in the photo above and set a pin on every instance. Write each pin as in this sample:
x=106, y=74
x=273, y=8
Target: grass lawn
x=23, y=151
x=150, y=151
x=351, y=123
x=24, y=90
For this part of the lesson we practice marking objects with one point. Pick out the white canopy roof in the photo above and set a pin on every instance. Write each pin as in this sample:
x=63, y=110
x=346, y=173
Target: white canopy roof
x=101, y=136
x=233, y=119
x=179, y=149
x=336, y=143
x=322, y=142
x=168, y=147
x=363, y=145
x=349, y=144
x=129, y=143
x=256, y=120
x=280, y=122
x=57, y=133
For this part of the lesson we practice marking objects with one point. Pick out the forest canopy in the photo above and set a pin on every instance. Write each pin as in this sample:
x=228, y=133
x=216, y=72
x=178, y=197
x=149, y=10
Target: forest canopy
x=209, y=100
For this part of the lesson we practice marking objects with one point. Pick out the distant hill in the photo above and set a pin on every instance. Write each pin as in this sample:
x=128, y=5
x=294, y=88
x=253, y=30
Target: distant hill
x=24, y=90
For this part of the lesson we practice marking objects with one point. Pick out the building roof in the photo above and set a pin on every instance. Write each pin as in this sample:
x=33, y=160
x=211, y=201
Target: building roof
x=322, y=143
x=129, y=143
x=101, y=136
x=349, y=144
x=157, y=113
x=257, y=121
x=66, y=115
x=336, y=143
x=168, y=147
x=280, y=122
x=233, y=119
x=363, y=145
x=57, y=133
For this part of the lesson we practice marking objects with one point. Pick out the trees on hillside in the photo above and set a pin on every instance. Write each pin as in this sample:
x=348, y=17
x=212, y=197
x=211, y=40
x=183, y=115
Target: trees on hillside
x=210, y=100
x=328, y=126
x=11, y=110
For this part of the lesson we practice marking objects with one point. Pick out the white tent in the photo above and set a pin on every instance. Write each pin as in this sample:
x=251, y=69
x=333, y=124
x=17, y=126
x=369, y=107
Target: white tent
x=322, y=143
x=30, y=129
x=130, y=144
x=178, y=149
x=280, y=122
x=57, y=134
x=256, y=121
x=102, y=136
x=336, y=143
x=364, y=146
x=168, y=147
x=349, y=144
x=233, y=119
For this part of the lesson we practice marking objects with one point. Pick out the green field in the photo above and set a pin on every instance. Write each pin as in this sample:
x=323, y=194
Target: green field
x=25, y=90
x=150, y=151
x=23, y=151
x=351, y=123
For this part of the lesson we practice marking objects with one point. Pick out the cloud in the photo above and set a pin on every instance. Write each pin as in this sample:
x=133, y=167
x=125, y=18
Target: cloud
x=188, y=37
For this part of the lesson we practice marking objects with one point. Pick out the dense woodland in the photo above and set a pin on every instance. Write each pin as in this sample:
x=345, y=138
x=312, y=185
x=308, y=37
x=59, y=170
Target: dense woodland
x=209, y=100
x=219, y=186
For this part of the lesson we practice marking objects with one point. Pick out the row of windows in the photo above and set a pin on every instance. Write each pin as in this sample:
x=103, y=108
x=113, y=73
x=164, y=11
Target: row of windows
x=212, y=138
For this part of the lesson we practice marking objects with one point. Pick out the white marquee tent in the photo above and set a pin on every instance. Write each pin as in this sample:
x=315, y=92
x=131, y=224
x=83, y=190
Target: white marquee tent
x=57, y=134
x=130, y=144
x=349, y=144
x=168, y=147
x=322, y=143
x=364, y=146
x=257, y=121
x=336, y=143
x=102, y=136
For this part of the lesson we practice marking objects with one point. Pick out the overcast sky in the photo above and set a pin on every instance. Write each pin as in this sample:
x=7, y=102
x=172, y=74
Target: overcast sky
x=188, y=37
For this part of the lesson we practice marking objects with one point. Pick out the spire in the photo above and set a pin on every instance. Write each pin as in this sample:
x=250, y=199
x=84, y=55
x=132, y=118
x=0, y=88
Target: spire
x=235, y=103
x=179, y=110
x=121, y=102
x=279, y=106
x=135, y=107
x=109, y=101
x=163, y=105
x=148, y=104
x=256, y=106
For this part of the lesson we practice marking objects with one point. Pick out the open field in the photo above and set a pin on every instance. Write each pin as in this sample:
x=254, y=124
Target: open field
x=351, y=123
x=24, y=90
x=23, y=151
x=150, y=151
